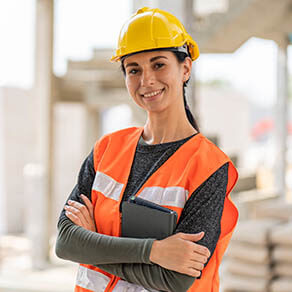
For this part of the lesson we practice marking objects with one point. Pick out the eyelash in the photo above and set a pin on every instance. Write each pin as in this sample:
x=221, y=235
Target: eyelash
x=159, y=65
x=131, y=71
x=156, y=66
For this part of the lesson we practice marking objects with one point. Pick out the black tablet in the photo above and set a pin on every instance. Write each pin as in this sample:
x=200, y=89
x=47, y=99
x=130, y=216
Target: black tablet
x=144, y=219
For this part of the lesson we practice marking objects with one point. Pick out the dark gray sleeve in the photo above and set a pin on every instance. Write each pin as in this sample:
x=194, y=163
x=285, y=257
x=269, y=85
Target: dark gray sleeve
x=77, y=244
x=202, y=212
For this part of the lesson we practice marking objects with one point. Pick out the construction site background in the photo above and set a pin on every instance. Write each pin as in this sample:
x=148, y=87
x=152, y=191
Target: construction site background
x=47, y=130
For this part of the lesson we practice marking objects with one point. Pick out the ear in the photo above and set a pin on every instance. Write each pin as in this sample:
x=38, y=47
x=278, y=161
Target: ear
x=187, y=68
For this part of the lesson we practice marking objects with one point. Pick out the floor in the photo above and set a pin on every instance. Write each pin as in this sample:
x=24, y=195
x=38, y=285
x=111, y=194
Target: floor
x=17, y=274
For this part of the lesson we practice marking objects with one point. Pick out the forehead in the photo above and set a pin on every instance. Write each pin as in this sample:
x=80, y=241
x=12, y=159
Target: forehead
x=146, y=57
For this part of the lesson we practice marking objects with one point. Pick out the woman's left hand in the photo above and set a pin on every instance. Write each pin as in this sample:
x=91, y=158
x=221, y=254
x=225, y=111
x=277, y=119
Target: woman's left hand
x=81, y=215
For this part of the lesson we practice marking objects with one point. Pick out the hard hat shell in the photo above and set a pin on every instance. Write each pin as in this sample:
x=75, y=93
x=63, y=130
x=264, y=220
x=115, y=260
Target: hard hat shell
x=150, y=29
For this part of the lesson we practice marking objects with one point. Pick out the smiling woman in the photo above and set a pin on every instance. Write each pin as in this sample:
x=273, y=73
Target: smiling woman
x=155, y=82
x=168, y=162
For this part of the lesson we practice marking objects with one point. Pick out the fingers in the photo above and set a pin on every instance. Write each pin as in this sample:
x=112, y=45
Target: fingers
x=192, y=237
x=79, y=210
x=193, y=272
x=80, y=214
x=75, y=215
x=179, y=253
x=197, y=248
x=198, y=258
x=75, y=219
x=195, y=269
x=201, y=250
x=88, y=204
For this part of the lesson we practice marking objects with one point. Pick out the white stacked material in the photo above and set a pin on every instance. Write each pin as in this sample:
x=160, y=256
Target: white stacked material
x=248, y=258
x=282, y=234
x=282, y=253
x=235, y=283
x=242, y=251
x=281, y=237
x=281, y=285
x=274, y=209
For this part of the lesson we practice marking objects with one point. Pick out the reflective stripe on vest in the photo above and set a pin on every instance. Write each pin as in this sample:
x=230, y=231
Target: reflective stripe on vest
x=170, y=196
x=107, y=186
x=91, y=280
x=97, y=282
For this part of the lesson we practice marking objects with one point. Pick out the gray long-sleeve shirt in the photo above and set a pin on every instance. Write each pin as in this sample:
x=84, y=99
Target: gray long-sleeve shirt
x=128, y=258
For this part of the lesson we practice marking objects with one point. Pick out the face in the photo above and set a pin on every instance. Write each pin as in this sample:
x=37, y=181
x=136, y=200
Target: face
x=155, y=79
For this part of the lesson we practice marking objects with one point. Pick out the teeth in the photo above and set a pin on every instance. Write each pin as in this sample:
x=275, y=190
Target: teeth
x=152, y=93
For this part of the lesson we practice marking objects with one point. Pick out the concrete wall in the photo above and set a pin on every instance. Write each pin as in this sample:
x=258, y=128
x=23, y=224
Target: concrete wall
x=2, y=181
x=70, y=150
x=17, y=148
x=226, y=114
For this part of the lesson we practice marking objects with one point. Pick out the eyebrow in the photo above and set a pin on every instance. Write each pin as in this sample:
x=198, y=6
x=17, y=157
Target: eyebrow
x=151, y=60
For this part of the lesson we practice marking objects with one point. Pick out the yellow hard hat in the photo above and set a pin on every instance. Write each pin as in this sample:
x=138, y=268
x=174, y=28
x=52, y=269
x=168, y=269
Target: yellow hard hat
x=150, y=29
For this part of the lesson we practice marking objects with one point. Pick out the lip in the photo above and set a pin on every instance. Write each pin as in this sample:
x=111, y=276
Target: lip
x=154, y=96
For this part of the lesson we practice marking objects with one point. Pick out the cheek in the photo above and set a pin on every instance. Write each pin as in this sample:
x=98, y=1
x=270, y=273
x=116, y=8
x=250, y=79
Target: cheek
x=131, y=87
x=172, y=77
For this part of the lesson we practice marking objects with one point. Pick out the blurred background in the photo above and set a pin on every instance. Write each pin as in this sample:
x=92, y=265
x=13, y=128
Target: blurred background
x=59, y=93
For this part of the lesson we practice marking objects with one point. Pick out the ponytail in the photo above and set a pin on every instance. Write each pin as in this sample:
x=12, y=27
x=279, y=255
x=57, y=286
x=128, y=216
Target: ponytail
x=180, y=58
x=188, y=111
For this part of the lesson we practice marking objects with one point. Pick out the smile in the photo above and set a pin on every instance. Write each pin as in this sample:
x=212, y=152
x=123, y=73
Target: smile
x=153, y=93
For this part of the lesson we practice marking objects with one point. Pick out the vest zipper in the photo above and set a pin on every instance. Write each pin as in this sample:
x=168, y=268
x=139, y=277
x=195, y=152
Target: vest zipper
x=110, y=288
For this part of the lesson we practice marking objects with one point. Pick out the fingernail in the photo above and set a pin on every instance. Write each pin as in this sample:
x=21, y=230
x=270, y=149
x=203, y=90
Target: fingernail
x=69, y=201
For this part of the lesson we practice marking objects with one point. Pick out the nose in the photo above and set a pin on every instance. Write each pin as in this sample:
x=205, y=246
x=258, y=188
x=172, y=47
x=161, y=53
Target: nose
x=147, y=78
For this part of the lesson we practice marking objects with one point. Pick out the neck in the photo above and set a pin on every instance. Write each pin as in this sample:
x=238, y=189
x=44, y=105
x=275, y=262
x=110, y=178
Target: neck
x=166, y=127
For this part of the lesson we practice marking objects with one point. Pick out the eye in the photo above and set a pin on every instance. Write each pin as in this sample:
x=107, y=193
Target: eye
x=132, y=71
x=158, y=65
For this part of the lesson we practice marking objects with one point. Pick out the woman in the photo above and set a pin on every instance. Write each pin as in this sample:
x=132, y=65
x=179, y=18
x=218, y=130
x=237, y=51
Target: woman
x=172, y=164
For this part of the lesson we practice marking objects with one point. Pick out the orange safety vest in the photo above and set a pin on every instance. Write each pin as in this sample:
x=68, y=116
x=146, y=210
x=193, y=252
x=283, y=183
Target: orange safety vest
x=170, y=186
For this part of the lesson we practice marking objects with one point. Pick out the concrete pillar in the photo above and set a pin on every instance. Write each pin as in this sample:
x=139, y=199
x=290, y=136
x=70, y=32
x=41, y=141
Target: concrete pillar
x=281, y=118
x=136, y=4
x=41, y=181
x=36, y=213
x=3, y=208
x=181, y=9
x=191, y=89
x=93, y=127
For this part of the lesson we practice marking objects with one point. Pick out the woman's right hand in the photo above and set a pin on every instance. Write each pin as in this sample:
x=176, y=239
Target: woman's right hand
x=180, y=253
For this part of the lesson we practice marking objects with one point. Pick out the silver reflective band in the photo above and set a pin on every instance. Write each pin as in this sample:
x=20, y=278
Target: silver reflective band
x=169, y=196
x=91, y=280
x=123, y=286
x=107, y=186
x=183, y=49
